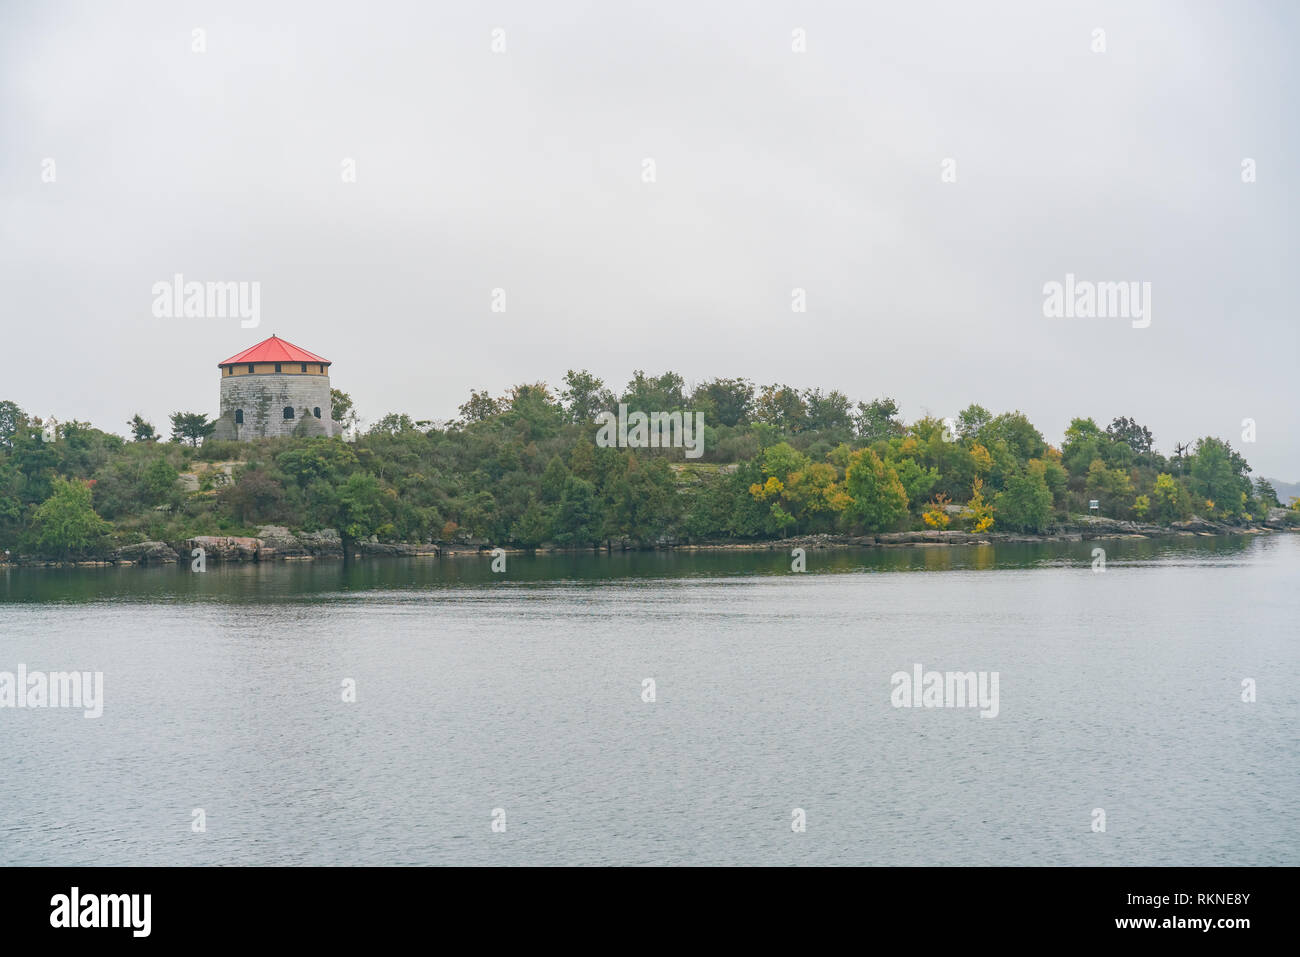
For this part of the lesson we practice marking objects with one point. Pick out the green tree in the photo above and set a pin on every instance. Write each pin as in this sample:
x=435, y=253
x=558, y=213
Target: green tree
x=1169, y=499
x=971, y=420
x=1014, y=428
x=878, y=498
x=1084, y=443
x=782, y=460
x=142, y=431
x=533, y=527
x=553, y=480
x=1136, y=437
x=1111, y=487
x=11, y=420
x=917, y=481
x=533, y=413
x=584, y=396
x=578, y=519
x=158, y=483
x=831, y=412
x=255, y=496
x=728, y=402
x=1026, y=503
x=394, y=423
x=66, y=524
x=878, y=420
x=661, y=393
x=479, y=408
x=192, y=427
x=782, y=408
x=341, y=409
x=1219, y=474
x=359, y=509
x=316, y=458
x=1266, y=494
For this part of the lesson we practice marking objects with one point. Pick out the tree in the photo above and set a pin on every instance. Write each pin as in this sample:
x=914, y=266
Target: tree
x=1084, y=443
x=641, y=500
x=1055, y=475
x=11, y=420
x=158, y=482
x=66, y=524
x=584, y=396
x=1014, y=428
x=1266, y=494
x=193, y=427
x=577, y=521
x=655, y=393
x=532, y=412
x=1026, y=503
x=728, y=402
x=341, y=409
x=878, y=419
x=1169, y=499
x=1219, y=474
x=480, y=407
x=782, y=459
x=253, y=497
x=971, y=420
x=781, y=407
x=879, y=500
x=142, y=431
x=917, y=481
x=981, y=512
x=553, y=480
x=936, y=515
x=829, y=412
x=1136, y=437
x=317, y=459
x=533, y=527
x=1112, y=487
x=359, y=509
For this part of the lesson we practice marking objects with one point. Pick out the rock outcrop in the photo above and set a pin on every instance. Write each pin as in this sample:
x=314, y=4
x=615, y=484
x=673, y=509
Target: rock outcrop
x=146, y=553
x=1282, y=518
x=223, y=548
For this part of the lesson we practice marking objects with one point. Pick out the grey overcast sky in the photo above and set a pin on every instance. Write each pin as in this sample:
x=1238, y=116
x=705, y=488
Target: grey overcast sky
x=775, y=170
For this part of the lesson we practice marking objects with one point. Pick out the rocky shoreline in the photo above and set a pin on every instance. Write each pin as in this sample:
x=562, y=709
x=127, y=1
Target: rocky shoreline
x=277, y=543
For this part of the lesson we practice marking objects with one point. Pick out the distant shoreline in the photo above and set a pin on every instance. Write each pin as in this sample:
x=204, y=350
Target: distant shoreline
x=241, y=551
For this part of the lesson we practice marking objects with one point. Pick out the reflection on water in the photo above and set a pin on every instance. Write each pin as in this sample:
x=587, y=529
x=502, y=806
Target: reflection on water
x=523, y=691
x=279, y=580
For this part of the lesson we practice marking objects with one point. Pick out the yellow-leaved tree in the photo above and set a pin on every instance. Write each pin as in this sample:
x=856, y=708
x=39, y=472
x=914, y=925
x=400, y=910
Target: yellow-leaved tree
x=981, y=512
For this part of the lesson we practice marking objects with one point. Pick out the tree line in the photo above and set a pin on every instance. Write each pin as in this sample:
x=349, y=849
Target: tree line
x=523, y=469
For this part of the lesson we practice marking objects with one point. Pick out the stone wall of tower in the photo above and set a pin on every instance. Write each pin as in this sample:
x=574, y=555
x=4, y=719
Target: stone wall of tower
x=263, y=399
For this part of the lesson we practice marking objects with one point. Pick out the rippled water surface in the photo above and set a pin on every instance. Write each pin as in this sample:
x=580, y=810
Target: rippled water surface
x=523, y=692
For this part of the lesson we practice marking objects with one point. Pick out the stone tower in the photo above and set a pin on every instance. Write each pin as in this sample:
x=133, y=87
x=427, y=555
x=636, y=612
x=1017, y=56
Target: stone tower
x=275, y=389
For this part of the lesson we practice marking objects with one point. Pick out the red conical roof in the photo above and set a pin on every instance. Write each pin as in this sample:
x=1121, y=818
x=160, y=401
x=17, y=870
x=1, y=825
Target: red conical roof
x=274, y=349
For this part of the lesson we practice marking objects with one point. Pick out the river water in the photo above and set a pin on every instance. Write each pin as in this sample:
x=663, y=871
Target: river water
x=502, y=718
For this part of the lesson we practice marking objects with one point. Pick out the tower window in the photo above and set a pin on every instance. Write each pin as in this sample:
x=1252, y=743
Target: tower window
x=288, y=412
x=316, y=412
x=250, y=368
x=277, y=367
x=304, y=367
x=239, y=417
